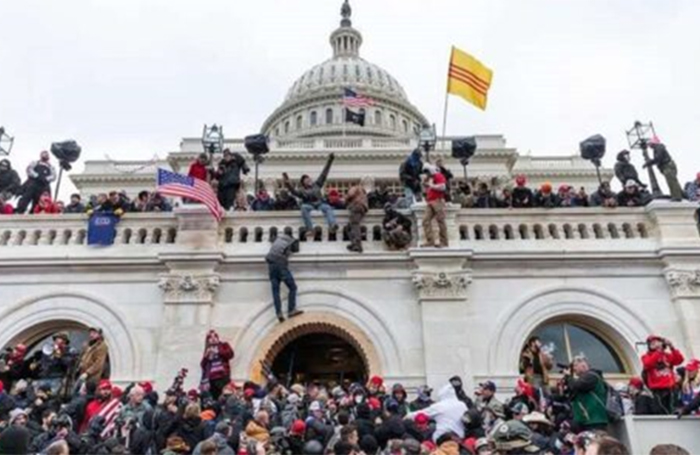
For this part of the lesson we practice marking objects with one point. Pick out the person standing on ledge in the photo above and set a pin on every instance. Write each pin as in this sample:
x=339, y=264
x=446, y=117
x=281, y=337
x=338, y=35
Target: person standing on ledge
x=278, y=266
x=436, y=186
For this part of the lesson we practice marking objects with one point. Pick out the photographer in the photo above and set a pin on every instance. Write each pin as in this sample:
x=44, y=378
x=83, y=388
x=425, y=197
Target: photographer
x=659, y=376
x=40, y=174
x=588, y=394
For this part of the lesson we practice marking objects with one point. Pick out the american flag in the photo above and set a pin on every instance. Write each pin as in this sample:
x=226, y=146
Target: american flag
x=172, y=184
x=110, y=411
x=352, y=99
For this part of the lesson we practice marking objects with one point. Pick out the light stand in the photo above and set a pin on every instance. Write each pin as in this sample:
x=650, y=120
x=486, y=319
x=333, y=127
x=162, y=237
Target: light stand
x=213, y=140
x=639, y=137
x=464, y=149
x=428, y=139
x=6, y=142
x=66, y=152
x=593, y=150
x=258, y=146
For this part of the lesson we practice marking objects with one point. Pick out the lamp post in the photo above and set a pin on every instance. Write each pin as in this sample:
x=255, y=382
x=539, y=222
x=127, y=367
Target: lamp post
x=213, y=140
x=639, y=137
x=6, y=142
x=427, y=139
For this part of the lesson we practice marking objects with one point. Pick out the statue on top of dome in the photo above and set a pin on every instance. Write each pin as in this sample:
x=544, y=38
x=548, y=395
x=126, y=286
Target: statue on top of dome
x=346, y=13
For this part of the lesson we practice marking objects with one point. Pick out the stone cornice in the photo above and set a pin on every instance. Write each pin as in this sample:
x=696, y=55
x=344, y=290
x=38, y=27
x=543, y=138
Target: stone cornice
x=441, y=285
x=189, y=287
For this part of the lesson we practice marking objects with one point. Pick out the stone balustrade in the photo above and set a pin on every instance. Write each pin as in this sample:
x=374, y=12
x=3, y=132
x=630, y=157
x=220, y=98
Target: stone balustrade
x=476, y=228
x=62, y=230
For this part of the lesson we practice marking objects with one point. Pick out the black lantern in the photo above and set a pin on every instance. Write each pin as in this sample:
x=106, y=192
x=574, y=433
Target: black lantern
x=593, y=150
x=464, y=149
x=6, y=142
x=639, y=138
x=258, y=146
x=427, y=139
x=213, y=140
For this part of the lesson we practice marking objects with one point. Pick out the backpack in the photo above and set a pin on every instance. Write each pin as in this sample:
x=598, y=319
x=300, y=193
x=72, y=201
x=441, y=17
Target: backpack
x=613, y=404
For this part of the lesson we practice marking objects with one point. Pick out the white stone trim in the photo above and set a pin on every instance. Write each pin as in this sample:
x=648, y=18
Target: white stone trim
x=517, y=322
x=81, y=308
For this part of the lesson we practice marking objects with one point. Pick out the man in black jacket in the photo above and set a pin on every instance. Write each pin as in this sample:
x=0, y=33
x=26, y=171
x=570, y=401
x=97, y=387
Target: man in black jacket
x=228, y=174
x=397, y=229
x=278, y=267
x=310, y=193
x=40, y=174
x=625, y=170
x=10, y=182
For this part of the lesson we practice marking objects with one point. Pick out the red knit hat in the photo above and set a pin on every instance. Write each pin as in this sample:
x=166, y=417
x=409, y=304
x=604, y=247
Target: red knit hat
x=193, y=394
x=637, y=383
x=520, y=180
x=298, y=427
x=421, y=419
x=376, y=381
x=146, y=386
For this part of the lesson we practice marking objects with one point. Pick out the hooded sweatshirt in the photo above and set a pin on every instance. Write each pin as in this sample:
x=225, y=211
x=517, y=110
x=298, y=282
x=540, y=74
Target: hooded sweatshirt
x=447, y=413
x=281, y=250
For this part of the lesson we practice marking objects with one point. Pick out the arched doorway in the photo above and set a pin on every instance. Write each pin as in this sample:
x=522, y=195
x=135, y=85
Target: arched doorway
x=319, y=357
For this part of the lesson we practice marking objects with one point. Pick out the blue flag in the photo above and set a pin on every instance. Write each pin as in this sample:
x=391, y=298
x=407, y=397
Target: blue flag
x=102, y=228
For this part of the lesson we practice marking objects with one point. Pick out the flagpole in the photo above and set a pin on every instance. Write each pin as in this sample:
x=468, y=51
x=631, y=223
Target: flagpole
x=444, y=120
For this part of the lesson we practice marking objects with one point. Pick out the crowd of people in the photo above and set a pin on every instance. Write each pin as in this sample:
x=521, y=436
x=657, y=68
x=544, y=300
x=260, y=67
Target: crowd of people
x=57, y=399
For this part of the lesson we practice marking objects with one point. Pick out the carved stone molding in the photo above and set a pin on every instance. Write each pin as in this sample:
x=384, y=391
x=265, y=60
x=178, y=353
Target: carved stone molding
x=189, y=288
x=441, y=285
x=684, y=283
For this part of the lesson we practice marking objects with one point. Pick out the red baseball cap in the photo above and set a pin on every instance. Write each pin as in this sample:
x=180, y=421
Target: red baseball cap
x=146, y=386
x=104, y=384
x=693, y=366
x=637, y=383
x=298, y=427
x=376, y=381
x=421, y=419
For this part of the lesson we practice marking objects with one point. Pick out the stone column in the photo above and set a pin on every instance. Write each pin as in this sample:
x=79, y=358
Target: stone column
x=684, y=284
x=189, y=289
x=442, y=282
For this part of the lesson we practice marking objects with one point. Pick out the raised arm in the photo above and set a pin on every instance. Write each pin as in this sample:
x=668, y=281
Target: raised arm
x=326, y=169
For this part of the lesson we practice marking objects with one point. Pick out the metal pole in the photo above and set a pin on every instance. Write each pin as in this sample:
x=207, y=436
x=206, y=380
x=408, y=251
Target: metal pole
x=444, y=120
x=597, y=171
x=653, y=182
x=58, y=184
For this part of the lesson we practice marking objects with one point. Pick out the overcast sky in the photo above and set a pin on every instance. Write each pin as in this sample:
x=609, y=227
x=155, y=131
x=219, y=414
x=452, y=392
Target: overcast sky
x=129, y=78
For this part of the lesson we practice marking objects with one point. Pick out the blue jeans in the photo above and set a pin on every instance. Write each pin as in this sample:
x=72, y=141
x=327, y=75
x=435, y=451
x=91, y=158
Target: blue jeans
x=279, y=274
x=327, y=210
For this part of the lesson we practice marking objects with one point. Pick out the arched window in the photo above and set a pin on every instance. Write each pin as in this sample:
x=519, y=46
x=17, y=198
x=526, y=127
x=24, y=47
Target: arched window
x=329, y=116
x=564, y=340
x=277, y=131
x=300, y=120
x=313, y=118
x=405, y=126
x=378, y=118
x=392, y=122
x=286, y=127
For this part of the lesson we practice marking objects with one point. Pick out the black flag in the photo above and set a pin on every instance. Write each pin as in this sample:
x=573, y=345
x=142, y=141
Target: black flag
x=354, y=117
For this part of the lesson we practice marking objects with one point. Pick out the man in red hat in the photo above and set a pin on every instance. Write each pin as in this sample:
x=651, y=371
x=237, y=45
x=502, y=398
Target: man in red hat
x=522, y=195
x=216, y=364
x=93, y=408
x=659, y=376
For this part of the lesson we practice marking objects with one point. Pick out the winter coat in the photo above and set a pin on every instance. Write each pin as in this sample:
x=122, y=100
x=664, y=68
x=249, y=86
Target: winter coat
x=391, y=428
x=535, y=363
x=198, y=171
x=229, y=172
x=522, y=197
x=399, y=219
x=263, y=205
x=7, y=404
x=356, y=199
x=625, y=171
x=10, y=183
x=378, y=199
x=225, y=355
x=283, y=203
x=588, y=398
x=14, y=439
x=644, y=404
x=658, y=368
x=314, y=194
x=93, y=360
x=51, y=367
x=280, y=250
x=637, y=199
x=191, y=431
x=255, y=431
x=447, y=413
x=41, y=172
x=410, y=171
x=222, y=447
x=549, y=200
x=692, y=191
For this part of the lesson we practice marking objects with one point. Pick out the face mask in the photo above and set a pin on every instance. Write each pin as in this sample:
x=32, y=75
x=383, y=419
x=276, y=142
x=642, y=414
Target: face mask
x=358, y=399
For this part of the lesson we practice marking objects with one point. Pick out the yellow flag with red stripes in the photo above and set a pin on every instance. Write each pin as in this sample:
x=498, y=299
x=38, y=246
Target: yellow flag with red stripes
x=469, y=78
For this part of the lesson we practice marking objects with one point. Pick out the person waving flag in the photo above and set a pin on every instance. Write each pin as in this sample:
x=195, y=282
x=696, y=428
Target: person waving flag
x=172, y=184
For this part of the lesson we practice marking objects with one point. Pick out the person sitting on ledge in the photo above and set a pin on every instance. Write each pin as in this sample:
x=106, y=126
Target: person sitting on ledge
x=522, y=195
x=633, y=196
x=546, y=198
x=284, y=201
x=311, y=195
x=604, y=197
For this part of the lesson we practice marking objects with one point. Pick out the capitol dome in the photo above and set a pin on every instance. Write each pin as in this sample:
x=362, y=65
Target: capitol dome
x=313, y=106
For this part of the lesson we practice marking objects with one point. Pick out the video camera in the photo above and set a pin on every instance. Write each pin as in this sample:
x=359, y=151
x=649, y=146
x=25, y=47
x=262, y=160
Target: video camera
x=176, y=389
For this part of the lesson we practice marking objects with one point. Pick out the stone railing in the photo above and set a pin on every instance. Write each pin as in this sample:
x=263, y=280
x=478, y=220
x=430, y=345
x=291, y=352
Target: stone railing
x=556, y=224
x=62, y=230
x=658, y=225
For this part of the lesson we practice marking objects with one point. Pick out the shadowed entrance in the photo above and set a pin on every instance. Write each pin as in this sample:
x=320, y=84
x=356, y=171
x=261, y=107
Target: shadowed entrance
x=321, y=357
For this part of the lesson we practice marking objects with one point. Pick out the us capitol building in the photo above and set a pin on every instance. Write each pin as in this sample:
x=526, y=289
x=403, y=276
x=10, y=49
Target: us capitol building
x=589, y=280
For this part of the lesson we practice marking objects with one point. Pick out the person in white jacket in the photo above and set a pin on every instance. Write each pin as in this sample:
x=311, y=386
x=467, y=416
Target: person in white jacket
x=447, y=413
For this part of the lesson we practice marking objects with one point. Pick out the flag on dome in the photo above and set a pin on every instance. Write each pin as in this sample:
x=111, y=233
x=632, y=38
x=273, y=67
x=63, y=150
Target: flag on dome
x=358, y=118
x=352, y=99
x=172, y=184
x=469, y=78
